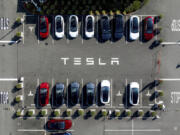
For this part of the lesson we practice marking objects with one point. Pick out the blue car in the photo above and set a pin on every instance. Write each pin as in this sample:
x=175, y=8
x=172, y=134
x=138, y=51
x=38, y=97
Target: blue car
x=74, y=93
x=118, y=26
x=66, y=133
x=59, y=94
x=90, y=92
x=105, y=29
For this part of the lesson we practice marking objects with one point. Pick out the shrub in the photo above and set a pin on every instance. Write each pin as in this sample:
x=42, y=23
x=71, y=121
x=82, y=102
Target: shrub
x=117, y=113
x=80, y=112
x=92, y=112
x=134, y=6
x=128, y=113
x=43, y=112
x=18, y=34
x=140, y=113
x=104, y=112
x=56, y=113
x=153, y=113
x=68, y=112
x=161, y=93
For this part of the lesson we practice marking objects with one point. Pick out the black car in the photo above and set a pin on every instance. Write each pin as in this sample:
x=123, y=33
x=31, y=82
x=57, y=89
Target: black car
x=59, y=94
x=89, y=94
x=74, y=93
x=118, y=26
x=105, y=29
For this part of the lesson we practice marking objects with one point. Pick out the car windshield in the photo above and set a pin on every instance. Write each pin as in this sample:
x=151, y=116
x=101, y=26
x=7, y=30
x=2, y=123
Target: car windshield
x=59, y=25
x=73, y=24
x=90, y=90
x=43, y=27
x=58, y=125
x=89, y=24
x=134, y=95
x=105, y=93
x=43, y=91
x=74, y=89
x=119, y=24
x=59, y=90
x=134, y=25
x=106, y=26
x=149, y=25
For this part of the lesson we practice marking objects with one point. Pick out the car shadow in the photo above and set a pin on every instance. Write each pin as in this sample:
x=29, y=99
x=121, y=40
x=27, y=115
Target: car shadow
x=126, y=97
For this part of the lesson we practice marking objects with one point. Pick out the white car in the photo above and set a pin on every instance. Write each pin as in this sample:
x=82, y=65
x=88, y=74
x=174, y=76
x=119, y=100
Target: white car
x=59, y=26
x=105, y=92
x=73, y=26
x=89, y=26
x=134, y=93
x=134, y=27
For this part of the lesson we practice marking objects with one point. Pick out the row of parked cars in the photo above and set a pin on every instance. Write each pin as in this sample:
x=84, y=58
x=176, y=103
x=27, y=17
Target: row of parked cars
x=89, y=92
x=107, y=30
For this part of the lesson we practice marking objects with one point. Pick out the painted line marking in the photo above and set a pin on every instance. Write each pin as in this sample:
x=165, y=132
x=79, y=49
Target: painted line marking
x=132, y=127
x=111, y=91
x=8, y=79
x=141, y=27
x=31, y=130
x=38, y=30
x=23, y=29
x=171, y=43
x=97, y=32
x=170, y=79
x=141, y=86
x=6, y=41
x=96, y=91
x=126, y=91
x=67, y=84
x=135, y=130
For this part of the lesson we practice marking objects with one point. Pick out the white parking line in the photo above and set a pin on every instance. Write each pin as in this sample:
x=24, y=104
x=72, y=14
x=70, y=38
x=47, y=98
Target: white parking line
x=96, y=91
x=52, y=92
x=111, y=91
x=82, y=83
x=141, y=27
x=23, y=29
x=170, y=79
x=126, y=30
x=8, y=79
x=67, y=84
x=130, y=130
x=45, y=120
x=31, y=130
x=38, y=30
x=170, y=43
x=82, y=31
x=132, y=127
x=97, y=32
x=141, y=86
x=126, y=91
x=156, y=28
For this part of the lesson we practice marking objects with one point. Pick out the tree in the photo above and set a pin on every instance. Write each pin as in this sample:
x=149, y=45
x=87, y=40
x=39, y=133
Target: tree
x=56, y=112
x=92, y=112
x=117, y=113
x=128, y=113
x=80, y=112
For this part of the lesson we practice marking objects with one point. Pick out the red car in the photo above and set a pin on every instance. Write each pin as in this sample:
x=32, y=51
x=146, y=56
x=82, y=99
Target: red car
x=58, y=124
x=44, y=94
x=148, y=28
x=43, y=27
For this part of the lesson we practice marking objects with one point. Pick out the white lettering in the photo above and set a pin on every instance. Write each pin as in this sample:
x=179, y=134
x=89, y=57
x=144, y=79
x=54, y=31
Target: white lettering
x=89, y=61
x=77, y=61
x=101, y=63
x=114, y=61
x=65, y=60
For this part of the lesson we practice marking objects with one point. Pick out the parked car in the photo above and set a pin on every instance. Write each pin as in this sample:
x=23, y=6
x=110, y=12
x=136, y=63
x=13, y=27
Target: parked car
x=59, y=94
x=59, y=124
x=118, y=26
x=134, y=93
x=134, y=27
x=89, y=94
x=89, y=26
x=73, y=26
x=105, y=29
x=149, y=28
x=44, y=94
x=59, y=26
x=66, y=133
x=105, y=91
x=74, y=93
x=43, y=27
